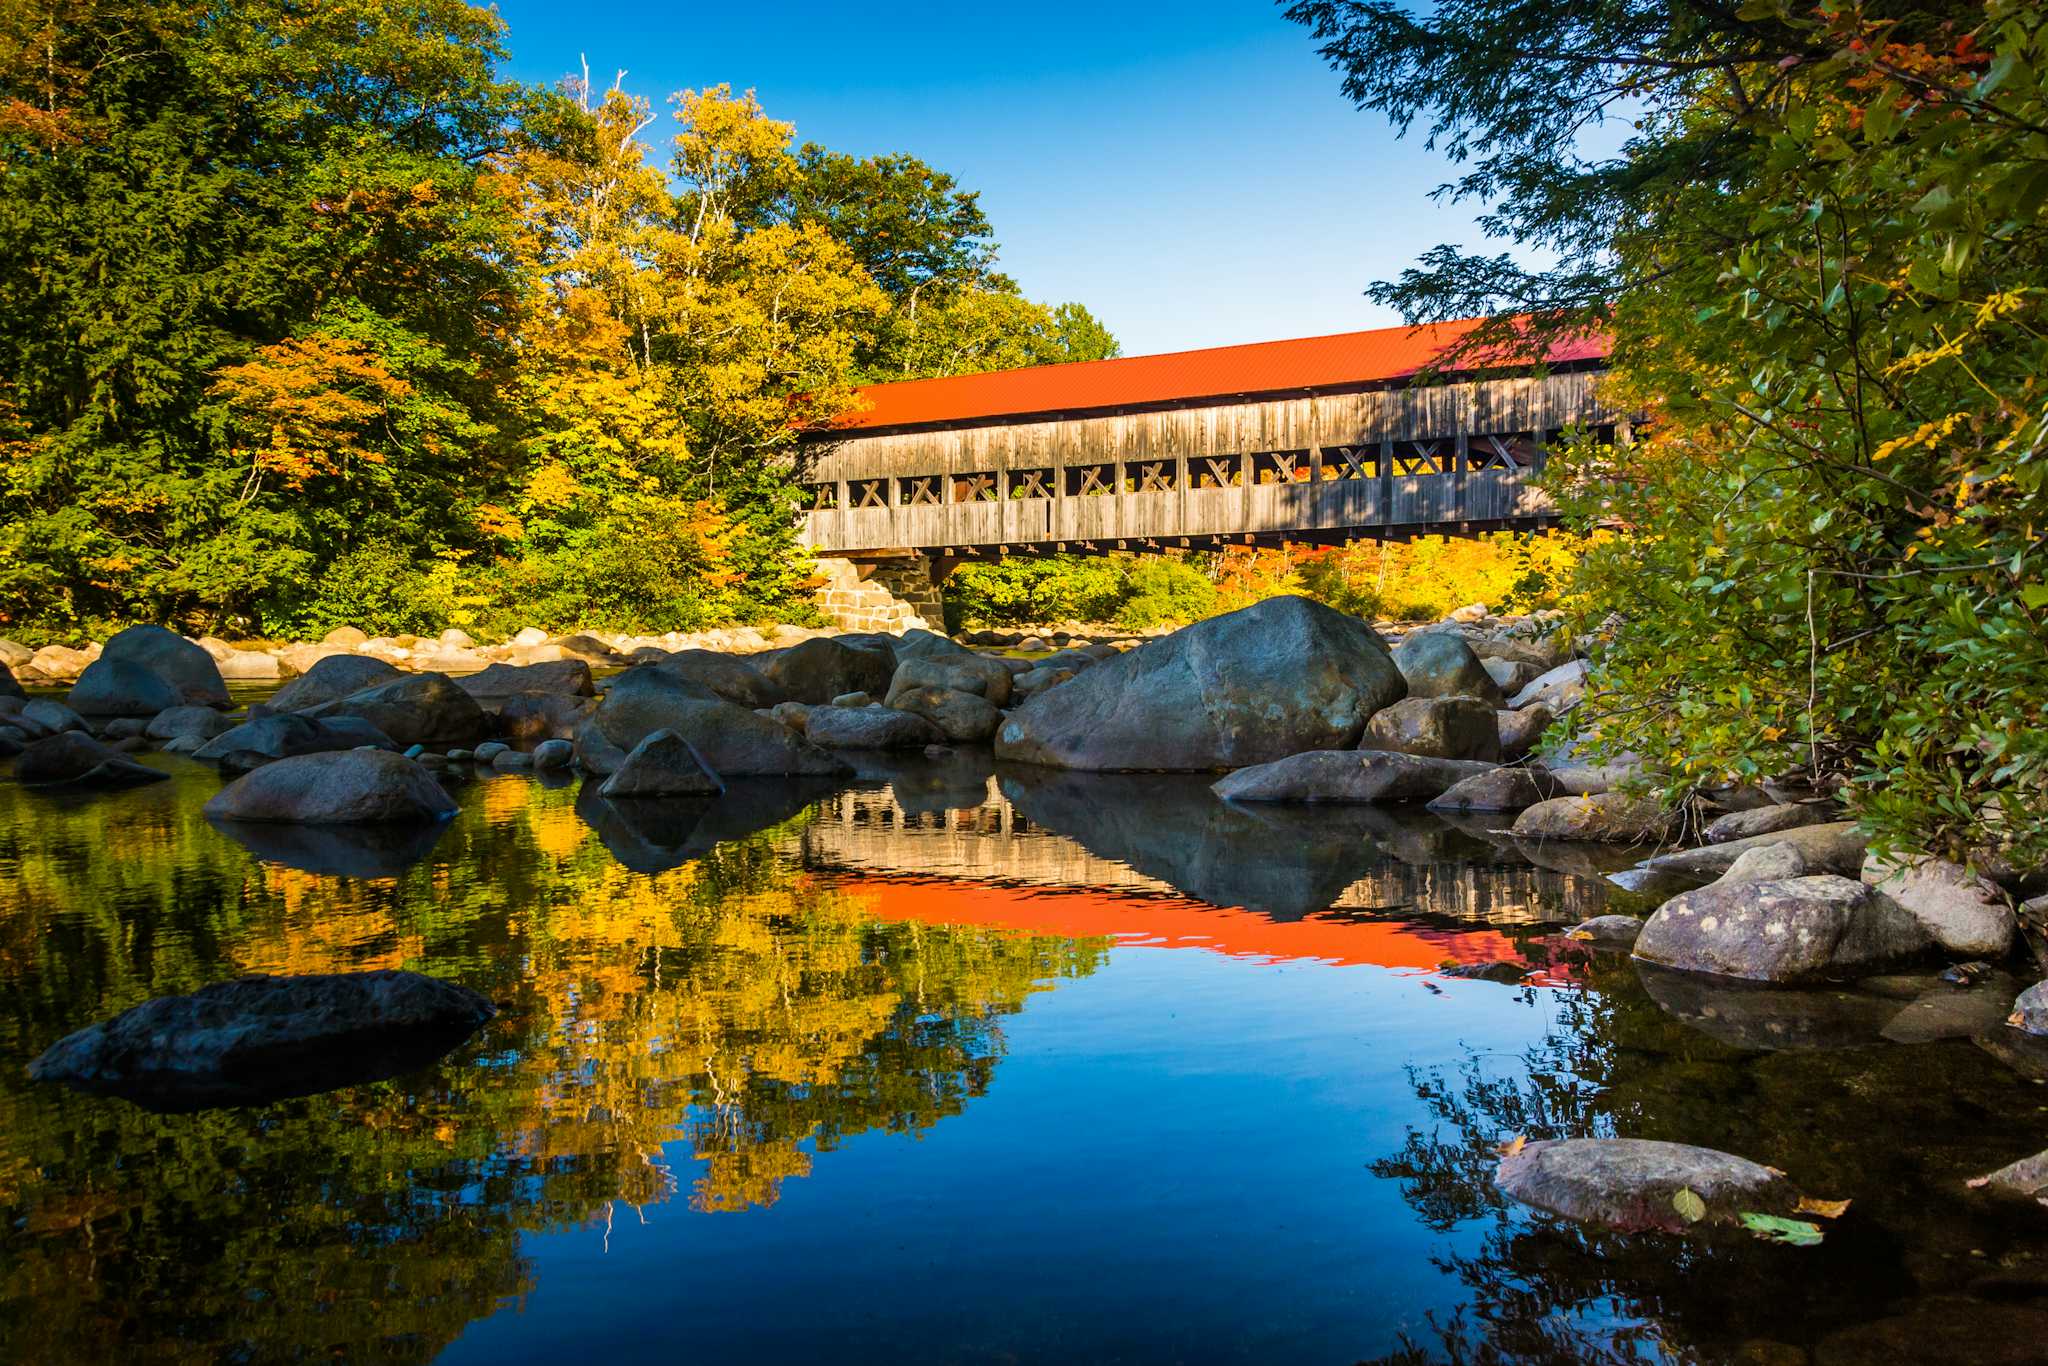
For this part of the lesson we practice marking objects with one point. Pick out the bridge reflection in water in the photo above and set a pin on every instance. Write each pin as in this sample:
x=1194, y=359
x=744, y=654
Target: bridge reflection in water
x=1158, y=860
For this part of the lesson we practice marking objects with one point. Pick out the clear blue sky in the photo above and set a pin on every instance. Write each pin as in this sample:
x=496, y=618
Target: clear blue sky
x=1188, y=171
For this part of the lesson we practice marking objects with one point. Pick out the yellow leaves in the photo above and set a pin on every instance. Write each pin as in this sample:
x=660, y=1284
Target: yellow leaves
x=310, y=402
x=550, y=487
x=493, y=520
x=1926, y=434
x=1825, y=1209
x=1514, y=1145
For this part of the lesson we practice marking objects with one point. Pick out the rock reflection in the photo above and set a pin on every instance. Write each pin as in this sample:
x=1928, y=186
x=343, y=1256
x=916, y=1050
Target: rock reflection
x=337, y=850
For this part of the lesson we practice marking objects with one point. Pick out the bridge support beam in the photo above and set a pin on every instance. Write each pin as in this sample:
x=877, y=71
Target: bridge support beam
x=894, y=593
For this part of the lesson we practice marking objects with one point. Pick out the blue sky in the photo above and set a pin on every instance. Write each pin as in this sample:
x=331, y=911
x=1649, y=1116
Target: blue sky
x=1188, y=171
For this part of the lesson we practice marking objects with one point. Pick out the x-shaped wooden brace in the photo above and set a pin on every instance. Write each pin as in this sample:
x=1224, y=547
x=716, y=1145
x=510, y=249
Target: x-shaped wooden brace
x=870, y=493
x=1223, y=471
x=1350, y=461
x=1422, y=460
x=977, y=488
x=1153, y=478
x=1284, y=466
x=1030, y=484
x=923, y=489
x=1092, y=479
x=1494, y=454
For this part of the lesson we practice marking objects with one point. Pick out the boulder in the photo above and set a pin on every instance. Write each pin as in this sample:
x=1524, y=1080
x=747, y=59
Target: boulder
x=563, y=677
x=177, y=661
x=120, y=687
x=455, y=638
x=1792, y=930
x=1635, y=1184
x=1765, y=863
x=590, y=650
x=733, y=679
x=529, y=635
x=51, y=716
x=1521, y=731
x=1347, y=776
x=285, y=734
x=964, y=672
x=10, y=686
x=1607, y=931
x=1966, y=914
x=175, y=722
x=817, y=671
x=331, y=679
x=60, y=662
x=1436, y=727
x=1032, y=682
x=733, y=741
x=527, y=717
x=551, y=755
x=258, y=1039
x=869, y=728
x=416, y=709
x=2029, y=1008
x=1509, y=675
x=1500, y=789
x=74, y=759
x=1603, y=817
x=13, y=654
x=961, y=717
x=339, y=787
x=1559, y=689
x=1441, y=664
x=795, y=715
x=1281, y=677
x=1585, y=780
x=662, y=765
x=1766, y=820
x=1835, y=847
x=250, y=666
x=853, y=699
x=347, y=637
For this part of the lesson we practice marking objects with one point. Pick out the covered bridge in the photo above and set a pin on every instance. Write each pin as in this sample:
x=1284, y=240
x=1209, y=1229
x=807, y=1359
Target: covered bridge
x=1316, y=439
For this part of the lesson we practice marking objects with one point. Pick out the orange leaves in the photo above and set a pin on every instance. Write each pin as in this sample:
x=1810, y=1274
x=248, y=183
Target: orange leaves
x=307, y=404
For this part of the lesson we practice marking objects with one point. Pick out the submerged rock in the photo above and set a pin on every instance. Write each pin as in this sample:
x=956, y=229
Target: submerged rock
x=73, y=759
x=1634, y=1184
x=260, y=1039
x=1608, y=931
x=1789, y=930
x=1766, y=1017
x=356, y=850
x=340, y=787
x=1347, y=775
x=1281, y=677
x=662, y=765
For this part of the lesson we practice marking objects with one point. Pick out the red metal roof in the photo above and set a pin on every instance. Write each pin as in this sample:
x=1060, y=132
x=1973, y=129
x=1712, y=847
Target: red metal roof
x=1347, y=359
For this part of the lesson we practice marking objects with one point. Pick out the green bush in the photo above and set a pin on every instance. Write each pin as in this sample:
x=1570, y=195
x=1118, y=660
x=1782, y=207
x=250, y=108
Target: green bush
x=1163, y=592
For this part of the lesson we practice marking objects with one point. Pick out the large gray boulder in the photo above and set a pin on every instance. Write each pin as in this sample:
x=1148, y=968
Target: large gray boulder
x=734, y=741
x=1281, y=677
x=1559, y=689
x=73, y=759
x=1793, y=930
x=735, y=680
x=120, y=687
x=340, y=787
x=961, y=716
x=1500, y=789
x=869, y=728
x=1966, y=914
x=202, y=723
x=331, y=679
x=1441, y=664
x=963, y=672
x=416, y=709
x=1521, y=731
x=1834, y=847
x=816, y=671
x=1603, y=817
x=560, y=677
x=1634, y=1184
x=662, y=765
x=1349, y=776
x=288, y=733
x=258, y=1039
x=1437, y=728
x=186, y=667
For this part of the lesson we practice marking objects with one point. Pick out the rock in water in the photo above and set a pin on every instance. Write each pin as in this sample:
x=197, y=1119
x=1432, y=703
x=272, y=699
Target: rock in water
x=1765, y=863
x=1607, y=931
x=733, y=741
x=963, y=672
x=1347, y=775
x=1965, y=913
x=1500, y=789
x=735, y=680
x=2030, y=1010
x=562, y=677
x=119, y=687
x=197, y=723
x=1834, y=847
x=817, y=671
x=1792, y=930
x=1281, y=677
x=869, y=728
x=335, y=788
x=260, y=1039
x=1633, y=1184
x=962, y=717
x=187, y=668
x=416, y=709
x=662, y=765
x=74, y=759
x=331, y=679
x=288, y=733
x=1766, y=820
x=10, y=686
x=1441, y=664
x=1436, y=727
x=1605, y=817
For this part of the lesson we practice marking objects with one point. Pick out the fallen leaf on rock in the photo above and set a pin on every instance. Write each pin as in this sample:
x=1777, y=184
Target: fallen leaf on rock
x=1826, y=1209
x=1688, y=1203
x=1580, y=935
x=1513, y=1145
x=1773, y=1228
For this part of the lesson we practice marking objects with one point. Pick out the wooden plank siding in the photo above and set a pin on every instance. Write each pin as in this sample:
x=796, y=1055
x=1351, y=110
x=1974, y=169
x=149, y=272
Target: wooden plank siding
x=1315, y=464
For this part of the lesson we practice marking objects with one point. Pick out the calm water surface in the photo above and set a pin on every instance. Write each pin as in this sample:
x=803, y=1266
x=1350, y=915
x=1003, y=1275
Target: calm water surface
x=958, y=1065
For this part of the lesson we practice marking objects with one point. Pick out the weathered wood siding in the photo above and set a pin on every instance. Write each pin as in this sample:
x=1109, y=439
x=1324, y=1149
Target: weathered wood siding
x=1322, y=463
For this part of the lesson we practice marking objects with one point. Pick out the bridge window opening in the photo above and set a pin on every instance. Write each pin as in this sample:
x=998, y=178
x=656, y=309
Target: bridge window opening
x=1086, y=480
x=1351, y=462
x=824, y=497
x=1423, y=457
x=1507, y=453
x=920, y=490
x=975, y=488
x=868, y=493
x=1281, y=467
x=1213, y=472
x=1153, y=476
x=1031, y=483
